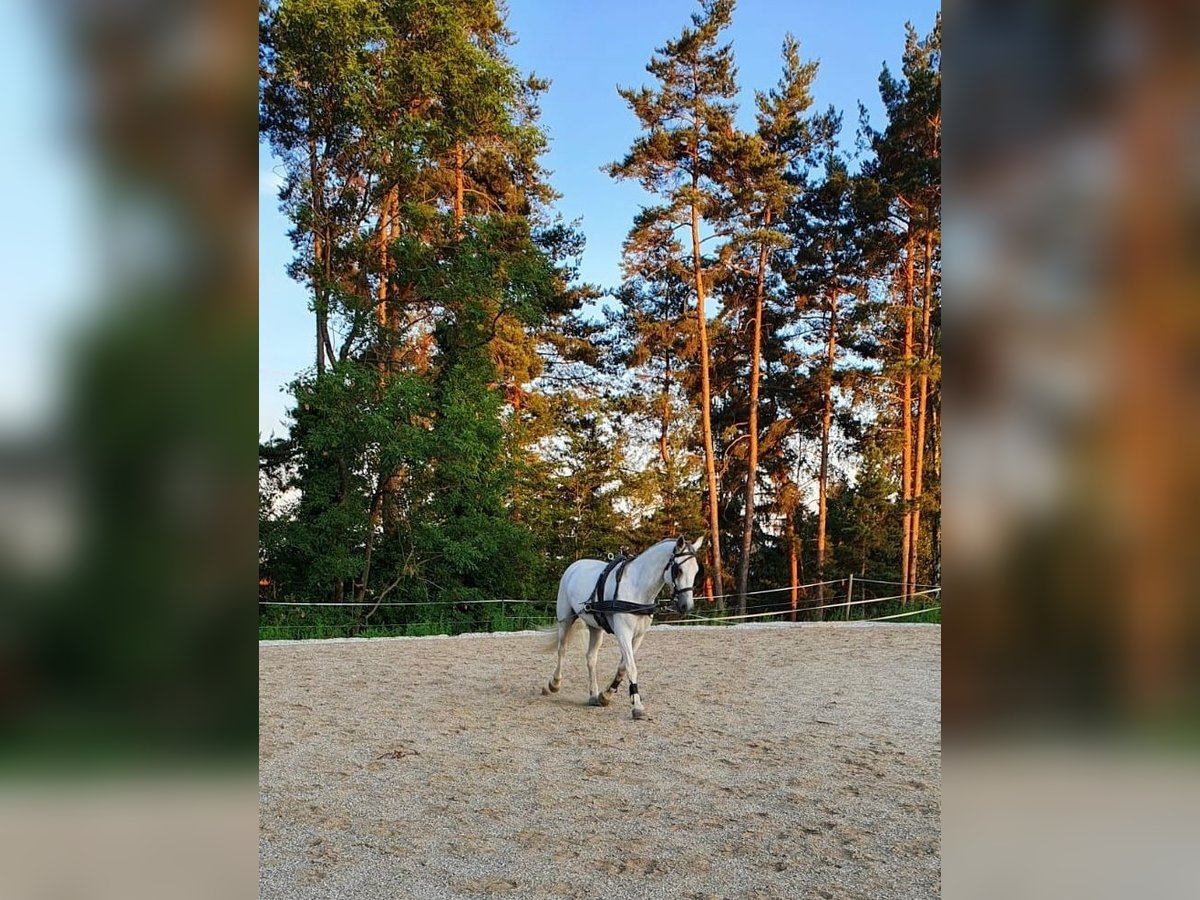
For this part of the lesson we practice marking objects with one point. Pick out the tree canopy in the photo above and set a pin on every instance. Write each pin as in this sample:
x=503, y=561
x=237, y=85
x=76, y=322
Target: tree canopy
x=475, y=418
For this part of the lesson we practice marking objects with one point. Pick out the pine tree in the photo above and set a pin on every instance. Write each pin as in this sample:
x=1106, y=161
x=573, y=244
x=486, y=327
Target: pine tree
x=445, y=270
x=316, y=91
x=827, y=271
x=653, y=342
x=762, y=183
x=906, y=169
x=465, y=432
x=686, y=119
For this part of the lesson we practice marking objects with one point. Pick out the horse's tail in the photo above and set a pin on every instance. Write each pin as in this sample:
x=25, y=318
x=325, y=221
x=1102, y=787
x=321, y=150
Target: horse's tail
x=549, y=639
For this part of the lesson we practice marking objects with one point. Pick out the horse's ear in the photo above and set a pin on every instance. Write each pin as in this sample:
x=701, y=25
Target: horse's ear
x=699, y=543
x=681, y=544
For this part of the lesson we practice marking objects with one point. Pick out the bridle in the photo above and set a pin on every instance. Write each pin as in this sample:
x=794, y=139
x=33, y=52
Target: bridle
x=676, y=569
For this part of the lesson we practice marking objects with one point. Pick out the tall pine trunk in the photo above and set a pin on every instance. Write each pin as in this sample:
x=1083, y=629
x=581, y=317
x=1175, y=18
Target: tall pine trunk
x=664, y=447
x=390, y=317
x=398, y=300
x=826, y=424
x=384, y=339
x=664, y=450
x=922, y=404
x=459, y=187
x=318, y=253
x=319, y=306
x=327, y=343
x=906, y=425
x=381, y=294
x=710, y=463
x=791, y=539
x=752, y=457
x=935, y=533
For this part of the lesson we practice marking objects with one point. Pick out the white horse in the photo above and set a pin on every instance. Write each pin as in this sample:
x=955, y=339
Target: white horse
x=669, y=562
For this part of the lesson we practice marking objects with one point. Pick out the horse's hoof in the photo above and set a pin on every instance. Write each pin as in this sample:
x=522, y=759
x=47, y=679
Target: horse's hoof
x=595, y=701
x=604, y=699
x=552, y=687
x=638, y=713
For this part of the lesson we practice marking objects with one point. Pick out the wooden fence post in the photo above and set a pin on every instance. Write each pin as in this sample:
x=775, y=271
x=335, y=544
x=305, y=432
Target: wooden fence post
x=849, y=595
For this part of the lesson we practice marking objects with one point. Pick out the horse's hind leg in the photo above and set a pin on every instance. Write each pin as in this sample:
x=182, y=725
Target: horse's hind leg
x=595, y=638
x=563, y=629
x=617, y=679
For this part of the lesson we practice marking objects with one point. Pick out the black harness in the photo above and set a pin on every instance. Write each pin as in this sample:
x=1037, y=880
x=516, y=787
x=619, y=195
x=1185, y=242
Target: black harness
x=600, y=609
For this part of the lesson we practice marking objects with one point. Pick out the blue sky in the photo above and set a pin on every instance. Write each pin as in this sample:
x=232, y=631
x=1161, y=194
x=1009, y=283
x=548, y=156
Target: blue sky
x=586, y=49
x=48, y=188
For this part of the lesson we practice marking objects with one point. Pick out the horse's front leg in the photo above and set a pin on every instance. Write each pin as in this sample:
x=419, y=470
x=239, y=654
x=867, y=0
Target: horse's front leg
x=595, y=638
x=626, y=641
x=620, y=676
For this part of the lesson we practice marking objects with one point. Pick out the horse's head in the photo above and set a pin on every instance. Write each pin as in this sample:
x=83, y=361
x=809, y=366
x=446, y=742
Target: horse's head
x=680, y=574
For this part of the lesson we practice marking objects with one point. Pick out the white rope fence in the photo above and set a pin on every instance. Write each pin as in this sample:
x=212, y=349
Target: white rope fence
x=799, y=587
x=545, y=620
x=394, y=602
x=352, y=603
x=859, y=580
x=805, y=609
x=915, y=612
x=928, y=591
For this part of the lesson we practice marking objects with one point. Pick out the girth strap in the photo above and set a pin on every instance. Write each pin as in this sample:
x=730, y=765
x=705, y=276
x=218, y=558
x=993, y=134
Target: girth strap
x=623, y=606
x=600, y=608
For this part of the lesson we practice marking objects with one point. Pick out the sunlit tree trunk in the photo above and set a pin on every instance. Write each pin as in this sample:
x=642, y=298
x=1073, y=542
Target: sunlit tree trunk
x=791, y=539
x=459, y=186
x=710, y=465
x=664, y=447
x=906, y=425
x=381, y=294
x=935, y=533
x=320, y=320
x=922, y=404
x=752, y=453
x=318, y=261
x=826, y=424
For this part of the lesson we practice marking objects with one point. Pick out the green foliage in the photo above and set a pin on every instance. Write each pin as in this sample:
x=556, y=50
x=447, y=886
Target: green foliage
x=864, y=520
x=465, y=432
x=325, y=476
x=907, y=153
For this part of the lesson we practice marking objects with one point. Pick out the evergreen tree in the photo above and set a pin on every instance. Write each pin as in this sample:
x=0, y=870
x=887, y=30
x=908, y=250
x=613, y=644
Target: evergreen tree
x=906, y=174
x=316, y=92
x=451, y=245
x=864, y=519
x=827, y=271
x=654, y=340
x=762, y=182
x=687, y=120
x=466, y=432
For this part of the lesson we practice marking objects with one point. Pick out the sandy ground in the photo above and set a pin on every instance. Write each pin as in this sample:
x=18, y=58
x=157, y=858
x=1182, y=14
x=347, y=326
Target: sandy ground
x=777, y=762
